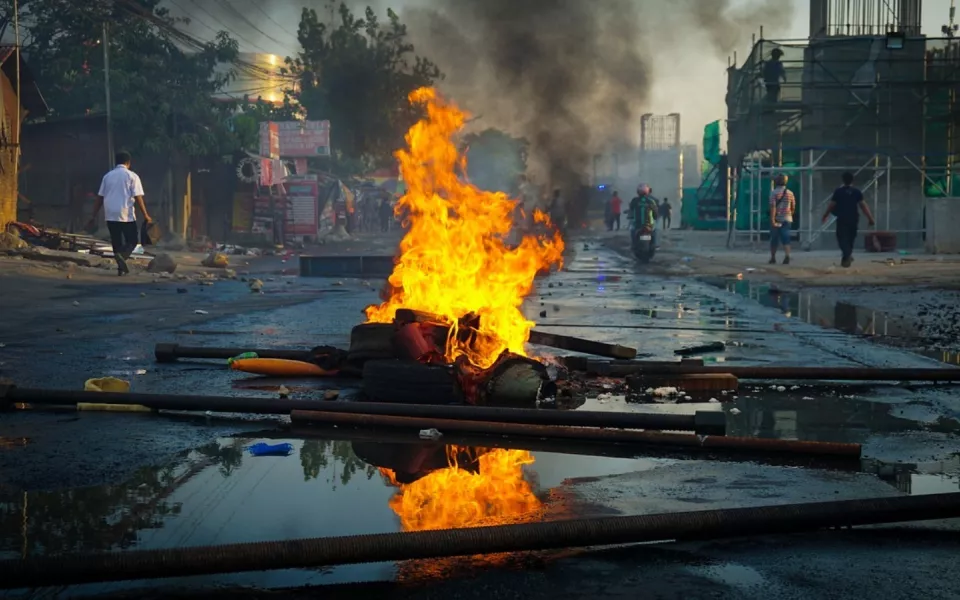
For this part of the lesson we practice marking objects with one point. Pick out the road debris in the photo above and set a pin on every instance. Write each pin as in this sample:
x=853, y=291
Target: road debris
x=264, y=449
x=430, y=434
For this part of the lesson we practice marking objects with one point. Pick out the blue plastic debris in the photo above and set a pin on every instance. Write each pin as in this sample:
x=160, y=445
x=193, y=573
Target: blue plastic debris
x=263, y=449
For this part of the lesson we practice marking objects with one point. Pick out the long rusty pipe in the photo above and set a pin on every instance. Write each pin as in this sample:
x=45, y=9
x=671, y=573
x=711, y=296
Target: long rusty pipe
x=585, y=434
x=626, y=368
x=701, y=422
x=50, y=571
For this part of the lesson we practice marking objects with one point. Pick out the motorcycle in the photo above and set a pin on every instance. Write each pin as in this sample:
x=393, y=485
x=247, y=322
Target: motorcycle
x=643, y=243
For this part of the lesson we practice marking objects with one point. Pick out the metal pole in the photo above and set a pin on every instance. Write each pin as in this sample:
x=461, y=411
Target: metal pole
x=19, y=109
x=887, y=193
x=106, y=90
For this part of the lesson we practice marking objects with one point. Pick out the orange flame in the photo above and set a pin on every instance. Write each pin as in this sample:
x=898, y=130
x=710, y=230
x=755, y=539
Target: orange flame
x=454, y=497
x=454, y=259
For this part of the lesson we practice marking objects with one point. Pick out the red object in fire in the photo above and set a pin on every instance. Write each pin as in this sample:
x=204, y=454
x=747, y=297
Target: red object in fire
x=413, y=343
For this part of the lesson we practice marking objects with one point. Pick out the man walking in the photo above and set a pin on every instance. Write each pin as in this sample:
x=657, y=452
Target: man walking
x=616, y=207
x=120, y=189
x=782, y=206
x=845, y=205
x=666, y=213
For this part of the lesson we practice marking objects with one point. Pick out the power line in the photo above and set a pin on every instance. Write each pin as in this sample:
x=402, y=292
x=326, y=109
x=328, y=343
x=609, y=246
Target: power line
x=237, y=34
x=256, y=4
x=241, y=16
x=164, y=26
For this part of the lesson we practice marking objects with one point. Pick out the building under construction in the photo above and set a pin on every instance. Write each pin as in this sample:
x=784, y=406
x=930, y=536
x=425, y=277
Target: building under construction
x=865, y=93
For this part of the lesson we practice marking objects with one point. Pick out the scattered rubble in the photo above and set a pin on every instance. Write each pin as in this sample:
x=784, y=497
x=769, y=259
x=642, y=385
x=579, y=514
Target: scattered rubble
x=216, y=260
x=11, y=241
x=162, y=263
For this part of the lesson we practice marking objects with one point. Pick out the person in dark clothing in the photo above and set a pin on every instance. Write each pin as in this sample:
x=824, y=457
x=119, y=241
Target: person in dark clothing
x=666, y=213
x=615, y=208
x=773, y=75
x=845, y=205
x=386, y=214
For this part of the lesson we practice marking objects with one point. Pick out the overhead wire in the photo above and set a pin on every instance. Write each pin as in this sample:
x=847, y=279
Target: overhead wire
x=249, y=23
x=240, y=37
x=252, y=70
x=256, y=5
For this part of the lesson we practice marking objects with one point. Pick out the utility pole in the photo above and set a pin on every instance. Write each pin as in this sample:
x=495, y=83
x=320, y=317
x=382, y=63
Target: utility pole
x=950, y=30
x=105, y=41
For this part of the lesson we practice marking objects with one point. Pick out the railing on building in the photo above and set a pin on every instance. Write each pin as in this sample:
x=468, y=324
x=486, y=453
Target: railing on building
x=886, y=114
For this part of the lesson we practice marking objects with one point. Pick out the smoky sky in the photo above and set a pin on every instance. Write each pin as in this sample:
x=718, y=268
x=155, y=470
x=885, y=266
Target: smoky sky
x=574, y=76
x=571, y=76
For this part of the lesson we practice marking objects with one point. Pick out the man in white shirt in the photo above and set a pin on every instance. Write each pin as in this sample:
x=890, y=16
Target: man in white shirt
x=119, y=191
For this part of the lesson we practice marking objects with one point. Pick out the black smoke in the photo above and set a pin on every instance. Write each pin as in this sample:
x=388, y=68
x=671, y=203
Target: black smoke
x=567, y=75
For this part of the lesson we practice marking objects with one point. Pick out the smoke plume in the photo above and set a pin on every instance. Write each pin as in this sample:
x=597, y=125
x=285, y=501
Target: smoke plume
x=574, y=76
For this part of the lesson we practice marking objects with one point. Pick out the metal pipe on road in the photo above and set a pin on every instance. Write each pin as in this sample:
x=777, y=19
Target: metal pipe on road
x=584, y=434
x=624, y=368
x=556, y=446
x=49, y=571
x=701, y=422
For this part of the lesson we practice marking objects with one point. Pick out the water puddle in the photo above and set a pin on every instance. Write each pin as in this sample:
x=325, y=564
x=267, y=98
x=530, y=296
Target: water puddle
x=846, y=317
x=220, y=494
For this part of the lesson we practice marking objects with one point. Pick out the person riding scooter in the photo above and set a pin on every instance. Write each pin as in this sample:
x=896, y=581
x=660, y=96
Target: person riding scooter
x=642, y=214
x=643, y=209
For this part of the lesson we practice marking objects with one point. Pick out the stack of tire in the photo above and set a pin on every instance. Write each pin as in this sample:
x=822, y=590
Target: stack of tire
x=389, y=379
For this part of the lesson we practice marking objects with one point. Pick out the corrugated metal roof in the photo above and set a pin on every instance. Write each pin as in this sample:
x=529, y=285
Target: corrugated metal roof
x=30, y=96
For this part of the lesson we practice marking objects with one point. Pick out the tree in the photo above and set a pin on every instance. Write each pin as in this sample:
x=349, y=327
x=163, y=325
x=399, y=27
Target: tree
x=357, y=73
x=162, y=81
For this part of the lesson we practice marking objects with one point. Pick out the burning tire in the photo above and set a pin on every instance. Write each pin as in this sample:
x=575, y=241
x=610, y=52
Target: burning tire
x=410, y=383
x=371, y=341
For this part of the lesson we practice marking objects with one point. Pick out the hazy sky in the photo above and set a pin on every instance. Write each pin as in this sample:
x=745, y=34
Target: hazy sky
x=689, y=78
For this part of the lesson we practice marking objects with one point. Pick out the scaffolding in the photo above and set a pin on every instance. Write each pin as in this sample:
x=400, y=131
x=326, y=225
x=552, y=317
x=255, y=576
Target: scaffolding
x=882, y=107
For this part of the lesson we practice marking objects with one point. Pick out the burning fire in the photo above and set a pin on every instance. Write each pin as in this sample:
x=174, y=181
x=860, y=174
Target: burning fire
x=454, y=497
x=454, y=260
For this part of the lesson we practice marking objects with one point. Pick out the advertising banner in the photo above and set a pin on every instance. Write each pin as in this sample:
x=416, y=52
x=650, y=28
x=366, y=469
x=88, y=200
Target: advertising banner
x=270, y=140
x=302, y=139
x=302, y=218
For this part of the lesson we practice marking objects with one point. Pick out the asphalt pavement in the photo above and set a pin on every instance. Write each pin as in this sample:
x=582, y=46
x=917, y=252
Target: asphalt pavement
x=91, y=482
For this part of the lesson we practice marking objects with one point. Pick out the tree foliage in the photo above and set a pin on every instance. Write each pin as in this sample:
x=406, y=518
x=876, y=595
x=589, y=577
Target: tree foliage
x=357, y=73
x=161, y=82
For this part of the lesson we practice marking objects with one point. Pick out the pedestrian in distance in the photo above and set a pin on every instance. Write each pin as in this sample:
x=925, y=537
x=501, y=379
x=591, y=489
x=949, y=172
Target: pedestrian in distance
x=845, y=204
x=121, y=191
x=666, y=213
x=783, y=205
x=773, y=75
x=616, y=207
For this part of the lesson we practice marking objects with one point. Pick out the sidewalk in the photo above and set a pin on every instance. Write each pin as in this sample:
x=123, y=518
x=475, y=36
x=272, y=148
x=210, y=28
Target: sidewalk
x=705, y=253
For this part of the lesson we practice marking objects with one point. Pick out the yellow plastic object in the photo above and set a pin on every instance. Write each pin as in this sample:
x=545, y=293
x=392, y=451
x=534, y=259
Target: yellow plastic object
x=109, y=385
x=277, y=367
x=106, y=384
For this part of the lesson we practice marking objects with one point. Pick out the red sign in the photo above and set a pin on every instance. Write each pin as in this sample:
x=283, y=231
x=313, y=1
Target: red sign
x=302, y=217
x=270, y=140
x=301, y=139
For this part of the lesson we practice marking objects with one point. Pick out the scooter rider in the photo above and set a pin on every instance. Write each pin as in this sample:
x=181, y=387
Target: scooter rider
x=643, y=212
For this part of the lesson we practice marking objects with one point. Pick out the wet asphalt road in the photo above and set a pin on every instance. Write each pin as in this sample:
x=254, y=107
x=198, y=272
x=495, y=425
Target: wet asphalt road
x=83, y=482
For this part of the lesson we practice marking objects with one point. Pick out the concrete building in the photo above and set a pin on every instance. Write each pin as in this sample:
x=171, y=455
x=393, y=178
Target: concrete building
x=661, y=159
x=15, y=110
x=866, y=93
